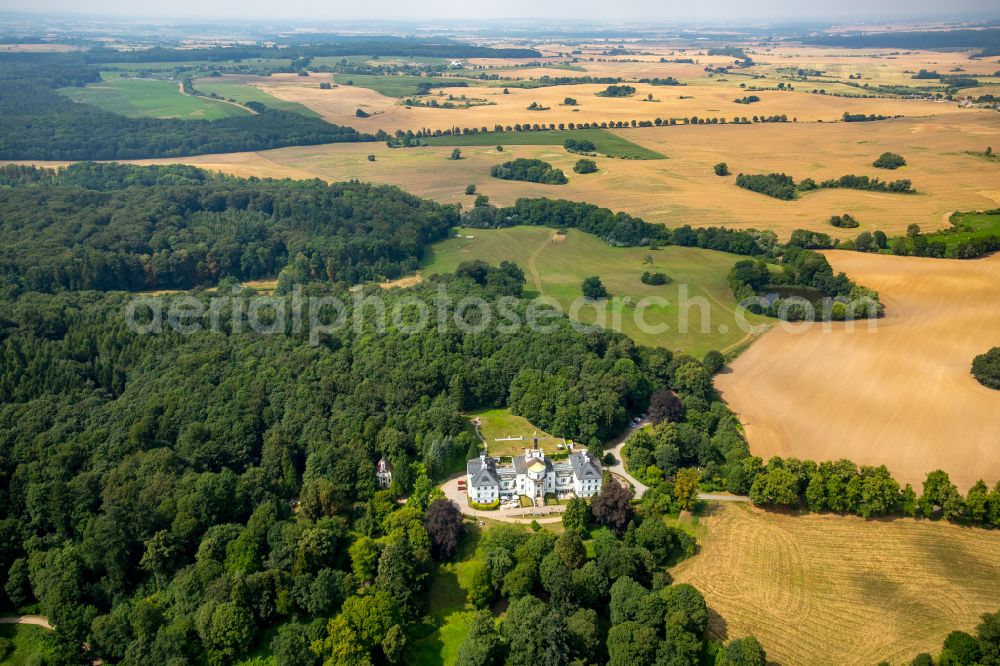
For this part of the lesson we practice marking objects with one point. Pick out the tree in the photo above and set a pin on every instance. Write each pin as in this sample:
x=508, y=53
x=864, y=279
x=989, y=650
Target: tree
x=742, y=652
x=576, y=516
x=685, y=608
x=960, y=649
x=593, y=288
x=777, y=486
x=470, y=189
x=291, y=646
x=361, y=113
x=631, y=644
x=522, y=629
x=988, y=632
x=569, y=547
x=445, y=527
x=686, y=488
x=585, y=634
x=584, y=166
x=912, y=230
x=889, y=161
x=482, y=589
x=612, y=507
x=721, y=169
x=986, y=368
x=456, y=154
x=665, y=406
x=713, y=361
x=481, y=646
x=364, y=559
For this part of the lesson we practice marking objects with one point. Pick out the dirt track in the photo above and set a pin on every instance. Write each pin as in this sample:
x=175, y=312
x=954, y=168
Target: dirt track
x=901, y=395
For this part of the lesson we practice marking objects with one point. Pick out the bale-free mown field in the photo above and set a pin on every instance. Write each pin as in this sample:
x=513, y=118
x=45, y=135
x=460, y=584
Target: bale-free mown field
x=556, y=265
x=683, y=189
x=824, y=589
x=901, y=395
x=151, y=98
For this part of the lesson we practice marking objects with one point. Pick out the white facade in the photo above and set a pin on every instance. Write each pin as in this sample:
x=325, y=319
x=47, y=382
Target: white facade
x=534, y=475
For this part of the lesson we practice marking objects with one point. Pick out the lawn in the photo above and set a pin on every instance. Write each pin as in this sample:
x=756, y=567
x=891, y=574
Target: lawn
x=500, y=423
x=150, y=98
x=243, y=93
x=402, y=85
x=29, y=645
x=699, y=309
x=968, y=226
x=451, y=615
x=606, y=143
x=824, y=589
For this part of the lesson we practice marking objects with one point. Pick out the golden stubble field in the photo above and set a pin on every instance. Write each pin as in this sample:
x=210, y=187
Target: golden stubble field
x=823, y=589
x=683, y=189
x=902, y=395
x=702, y=98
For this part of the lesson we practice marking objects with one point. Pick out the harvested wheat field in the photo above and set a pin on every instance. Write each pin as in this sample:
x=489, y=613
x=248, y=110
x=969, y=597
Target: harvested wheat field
x=822, y=589
x=900, y=395
x=702, y=98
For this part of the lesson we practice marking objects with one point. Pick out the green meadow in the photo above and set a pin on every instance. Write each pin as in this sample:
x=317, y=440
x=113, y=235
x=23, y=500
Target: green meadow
x=243, y=93
x=968, y=226
x=25, y=645
x=150, y=98
x=606, y=143
x=697, y=308
x=402, y=85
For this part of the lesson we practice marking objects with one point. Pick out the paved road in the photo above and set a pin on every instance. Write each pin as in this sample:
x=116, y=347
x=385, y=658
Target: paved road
x=618, y=469
x=550, y=514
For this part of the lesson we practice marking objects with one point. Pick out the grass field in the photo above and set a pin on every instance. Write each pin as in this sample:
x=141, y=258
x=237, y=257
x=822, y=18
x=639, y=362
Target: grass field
x=968, y=226
x=611, y=145
x=901, y=395
x=150, y=98
x=556, y=265
x=821, y=589
x=449, y=612
x=29, y=645
x=402, y=85
x=500, y=423
x=232, y=87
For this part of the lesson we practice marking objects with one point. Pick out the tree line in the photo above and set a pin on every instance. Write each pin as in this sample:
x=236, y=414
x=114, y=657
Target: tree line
x=39, y=123
x=111, y=226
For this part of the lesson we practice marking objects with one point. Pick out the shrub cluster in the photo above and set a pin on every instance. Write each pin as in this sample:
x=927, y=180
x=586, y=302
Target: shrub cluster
x=529, y=170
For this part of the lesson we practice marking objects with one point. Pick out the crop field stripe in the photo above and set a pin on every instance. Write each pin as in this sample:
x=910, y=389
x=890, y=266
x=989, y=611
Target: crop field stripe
x=606, y=142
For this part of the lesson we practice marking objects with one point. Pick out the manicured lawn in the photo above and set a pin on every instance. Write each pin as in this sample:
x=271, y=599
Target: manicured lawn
x=243, y=93
x=448, y=608
x=150, y=98
x=29, y=645
x=968, y=226
x=607, y=143
x=699, y=307
x=500, y=423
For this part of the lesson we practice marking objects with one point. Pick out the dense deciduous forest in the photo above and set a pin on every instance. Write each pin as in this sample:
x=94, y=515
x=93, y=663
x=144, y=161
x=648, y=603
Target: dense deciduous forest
x=146, y=480
x=98, y=226
x=41, y=124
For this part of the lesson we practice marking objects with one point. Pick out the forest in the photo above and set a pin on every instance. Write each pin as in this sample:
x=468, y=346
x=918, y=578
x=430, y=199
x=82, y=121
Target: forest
x=101, y=226
x=168, y=498
x=41, y=124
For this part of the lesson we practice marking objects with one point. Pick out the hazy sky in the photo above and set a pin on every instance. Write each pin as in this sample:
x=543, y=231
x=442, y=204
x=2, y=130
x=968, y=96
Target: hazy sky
x=742, y=11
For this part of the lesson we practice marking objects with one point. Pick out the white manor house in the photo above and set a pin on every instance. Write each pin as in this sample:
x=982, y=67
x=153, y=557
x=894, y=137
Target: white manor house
x=534, y=475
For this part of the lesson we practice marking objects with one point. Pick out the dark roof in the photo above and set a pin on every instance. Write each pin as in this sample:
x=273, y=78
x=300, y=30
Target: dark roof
x=483, y=471
x=585, y=466
x=383, y=466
